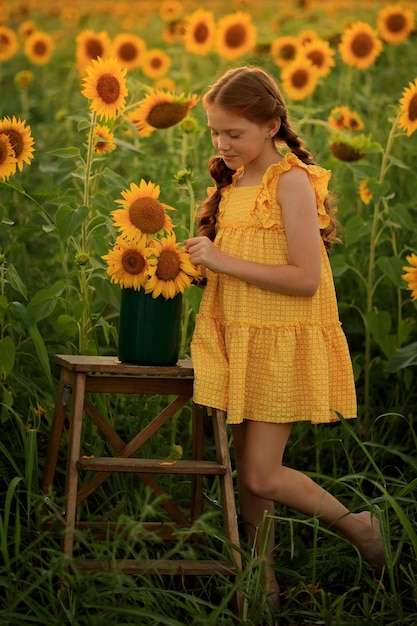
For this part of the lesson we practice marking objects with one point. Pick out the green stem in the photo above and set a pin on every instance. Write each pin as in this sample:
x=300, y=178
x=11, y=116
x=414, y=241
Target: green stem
x=371, y=268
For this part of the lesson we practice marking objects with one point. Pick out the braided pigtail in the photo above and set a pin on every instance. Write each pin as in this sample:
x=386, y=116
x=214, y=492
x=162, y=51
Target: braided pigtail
x=207, y=216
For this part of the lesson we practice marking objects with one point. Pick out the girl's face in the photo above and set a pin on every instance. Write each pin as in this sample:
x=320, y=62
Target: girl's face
x=238, y=140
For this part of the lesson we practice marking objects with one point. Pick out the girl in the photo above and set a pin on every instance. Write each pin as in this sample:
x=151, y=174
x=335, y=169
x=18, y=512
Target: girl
x=268, y=347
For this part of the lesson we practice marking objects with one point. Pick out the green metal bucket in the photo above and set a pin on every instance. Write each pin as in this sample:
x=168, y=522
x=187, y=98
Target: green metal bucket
x=149, y=328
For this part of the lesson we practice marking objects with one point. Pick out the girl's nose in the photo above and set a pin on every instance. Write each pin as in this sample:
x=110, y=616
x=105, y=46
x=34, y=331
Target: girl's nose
x=222, y=143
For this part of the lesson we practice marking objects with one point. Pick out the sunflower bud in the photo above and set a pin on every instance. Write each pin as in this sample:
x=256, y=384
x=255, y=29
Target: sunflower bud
x=82, y=258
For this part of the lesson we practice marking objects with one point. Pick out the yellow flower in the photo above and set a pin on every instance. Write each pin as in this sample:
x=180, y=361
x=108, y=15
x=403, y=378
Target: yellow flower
x=129, y=50
x=408, y=109
x=90, y=46
x=360, y=46
x=319, y=52
x=128, y=262
x=364, y=193
x=171, y=10
x=20, y=139
x=39, y=47
x=299, y=79
x=143, y=213
x=160, y=109
x=105, y=85
x=103, y=139
x=236, y=35
x=155, y=63
x=284, y=49
x=9, y=43
x=26, y=28
x=411, y=275
x=199, y=32
x=173, y=270
x=395, y=23
x=342, y=117
x=8, y=161
x=23, y=78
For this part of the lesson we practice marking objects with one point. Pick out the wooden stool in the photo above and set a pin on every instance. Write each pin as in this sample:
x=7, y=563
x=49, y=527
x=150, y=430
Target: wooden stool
x=105, y=374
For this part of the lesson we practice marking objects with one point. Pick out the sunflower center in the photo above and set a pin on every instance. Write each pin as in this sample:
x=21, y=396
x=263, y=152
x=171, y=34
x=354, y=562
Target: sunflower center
x=412, y=109
x=128, y=52
x=235, y=36
x=156, y=63
x=108, y=88
x=133, y=262
x=201, y=33
x=317, y=58
x=40, y=48
x=288, y=52
x=4, y=153
x=299, y=78
x=4, y=42
x=395, y=23
x=167, y=114
x=148, y=215
x=168, y=265
x=94, y=49
x=362, y=45
x=16, y=141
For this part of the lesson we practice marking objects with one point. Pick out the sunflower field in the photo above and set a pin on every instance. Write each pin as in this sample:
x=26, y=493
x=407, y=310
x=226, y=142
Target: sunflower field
x=102, y=136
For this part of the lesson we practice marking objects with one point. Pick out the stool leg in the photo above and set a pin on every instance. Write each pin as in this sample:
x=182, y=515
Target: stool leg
x=57, y=426
x=71, y=487
x=197, y=452
x=228, y=495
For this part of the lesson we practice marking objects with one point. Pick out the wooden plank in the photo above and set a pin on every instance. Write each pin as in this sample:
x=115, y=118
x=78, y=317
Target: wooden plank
x=111, y=364
x=161, y=385
x=164, y=567
x=152, y=466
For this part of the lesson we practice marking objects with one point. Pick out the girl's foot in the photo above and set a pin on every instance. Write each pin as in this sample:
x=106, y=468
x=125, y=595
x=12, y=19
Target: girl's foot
x=368, y=538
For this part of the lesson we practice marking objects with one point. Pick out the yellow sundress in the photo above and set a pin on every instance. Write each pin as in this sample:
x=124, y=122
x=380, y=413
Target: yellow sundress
x=260, y=355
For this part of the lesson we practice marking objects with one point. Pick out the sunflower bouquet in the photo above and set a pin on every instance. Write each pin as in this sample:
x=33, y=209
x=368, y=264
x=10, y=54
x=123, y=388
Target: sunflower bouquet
x=146, y=254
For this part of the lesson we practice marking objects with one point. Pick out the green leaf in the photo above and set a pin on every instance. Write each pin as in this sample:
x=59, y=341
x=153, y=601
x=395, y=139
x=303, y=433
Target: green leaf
x=67, y=325
x=7, y=356
x=37, y=340
x=392, y=267
x=44, y=301
x=338, y=264
x=66, y=153
x=402, y=357
x=68, y=220
x=111, y=178
x=379, y=323
x=14, y=280
x=355, y=228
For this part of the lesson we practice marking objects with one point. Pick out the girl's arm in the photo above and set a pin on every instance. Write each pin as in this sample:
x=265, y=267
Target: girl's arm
x=301, y=276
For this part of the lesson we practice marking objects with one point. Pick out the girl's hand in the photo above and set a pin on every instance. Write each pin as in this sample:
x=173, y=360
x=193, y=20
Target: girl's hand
x=203, y=252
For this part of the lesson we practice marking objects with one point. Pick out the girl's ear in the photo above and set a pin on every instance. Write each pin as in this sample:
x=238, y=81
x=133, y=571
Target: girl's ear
x=274, y=126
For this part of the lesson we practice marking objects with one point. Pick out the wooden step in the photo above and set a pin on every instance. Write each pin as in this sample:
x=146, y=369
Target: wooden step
x=165, y=567
x=151, y=466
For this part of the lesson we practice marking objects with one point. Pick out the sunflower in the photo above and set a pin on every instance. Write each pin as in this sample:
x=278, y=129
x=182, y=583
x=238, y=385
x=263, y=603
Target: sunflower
x=26, y=28
x=319, y=52
x=91, y=45
x=8, y=161
x=342, y=117
x=161, y=109
x=347, y=148
x=23, y=78
x=171, y=10
x=299, y=79
x=142, y=212
x=284, y=49
x=39, y=47
x=105, y=85
x=199, y=32
x=128, y=262
x=103, y=139
x=360, y=46
x=395, y=23
x=235, y=36
x=20, y=139
x=9, y=43
x=129, y=50
x=156, y=63
x=364, y=193
x=173, y=270
x=408, y=109
x=411, y=275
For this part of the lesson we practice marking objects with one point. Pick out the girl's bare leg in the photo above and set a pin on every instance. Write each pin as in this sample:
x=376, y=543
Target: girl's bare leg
x=261, y=471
